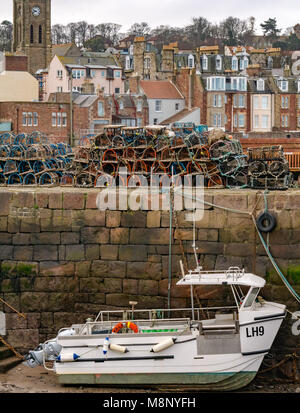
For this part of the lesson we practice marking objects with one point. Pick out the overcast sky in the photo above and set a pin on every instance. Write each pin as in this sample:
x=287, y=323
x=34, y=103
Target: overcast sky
x=168, y=12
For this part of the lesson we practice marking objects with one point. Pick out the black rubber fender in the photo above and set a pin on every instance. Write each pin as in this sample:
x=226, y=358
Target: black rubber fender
x=266, y=222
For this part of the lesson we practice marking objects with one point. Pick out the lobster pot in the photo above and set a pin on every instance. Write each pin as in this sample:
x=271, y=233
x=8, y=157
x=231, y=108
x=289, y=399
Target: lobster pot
x=84, y=180
x=49, y=179
x=67, y=180
x=29, y=179
x=14, y=179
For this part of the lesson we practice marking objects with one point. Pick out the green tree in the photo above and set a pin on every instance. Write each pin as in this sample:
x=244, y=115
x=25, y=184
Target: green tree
x=269, y=28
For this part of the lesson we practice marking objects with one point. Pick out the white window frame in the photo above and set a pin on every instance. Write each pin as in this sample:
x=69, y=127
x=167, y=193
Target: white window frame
x=64, y=119
x=35, y=119
x=217, y=119
x=53, y=119
x=121, y=104
x=191, y=61
x=24, y=119
x=265, y=125
x=218, y=63
x=235, y=63
x=204, y=62
x=147, y=63
x=243, y=123
x=100, y=113
x=256, y=102
x=217, y=100
x=29, y=119
x=260, y=85
x=256, y=121
x=158, y=106
x=117, y=74
x=139, y=106
x=264, y=102
x=283, y=85
x=59, y=74
x=58, y=118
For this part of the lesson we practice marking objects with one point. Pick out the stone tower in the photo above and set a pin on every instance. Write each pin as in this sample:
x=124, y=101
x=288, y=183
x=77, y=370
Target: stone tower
x=32, y=32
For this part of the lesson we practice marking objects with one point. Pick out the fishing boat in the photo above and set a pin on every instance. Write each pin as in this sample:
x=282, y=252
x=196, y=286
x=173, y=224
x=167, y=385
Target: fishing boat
x=219, y=348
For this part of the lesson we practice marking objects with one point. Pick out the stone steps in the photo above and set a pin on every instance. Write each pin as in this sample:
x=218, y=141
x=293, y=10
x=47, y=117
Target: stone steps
x=8, y=363
x=7, y=359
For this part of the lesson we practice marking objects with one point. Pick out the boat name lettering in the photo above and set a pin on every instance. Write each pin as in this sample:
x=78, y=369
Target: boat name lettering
x=255, y=331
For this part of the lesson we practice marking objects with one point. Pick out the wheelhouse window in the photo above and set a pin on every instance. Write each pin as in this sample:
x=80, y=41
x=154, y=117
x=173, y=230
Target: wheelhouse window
x=250, y=298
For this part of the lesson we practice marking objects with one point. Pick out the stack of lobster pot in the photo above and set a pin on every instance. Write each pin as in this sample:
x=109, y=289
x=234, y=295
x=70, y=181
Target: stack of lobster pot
x=231, y=161
x=268, y=168
x=30, y=160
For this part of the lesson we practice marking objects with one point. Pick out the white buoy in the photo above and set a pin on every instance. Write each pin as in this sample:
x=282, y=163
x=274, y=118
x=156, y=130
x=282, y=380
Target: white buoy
x=120, y=349
x=67, y=357
x=106, y=346
x=169, y=342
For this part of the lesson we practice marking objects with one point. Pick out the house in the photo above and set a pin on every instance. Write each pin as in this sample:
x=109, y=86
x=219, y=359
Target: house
x=129, y=109
x=164, y=99
x=74, y=68
x=91, y=112
x=16, y=83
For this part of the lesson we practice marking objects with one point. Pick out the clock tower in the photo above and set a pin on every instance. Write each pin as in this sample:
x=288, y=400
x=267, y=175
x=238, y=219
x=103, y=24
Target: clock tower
x=32, y=32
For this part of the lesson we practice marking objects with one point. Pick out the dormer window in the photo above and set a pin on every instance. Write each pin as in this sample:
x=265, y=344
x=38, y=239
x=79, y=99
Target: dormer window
x=244, y=63
x=218, y=63
x=234, y=63
x=260, y=85
x=283, y=85
x=191, y=61
x=204, y=62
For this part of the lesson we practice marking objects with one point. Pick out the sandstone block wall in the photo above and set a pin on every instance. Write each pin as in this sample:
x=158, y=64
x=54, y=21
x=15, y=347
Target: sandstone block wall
x=63, y=260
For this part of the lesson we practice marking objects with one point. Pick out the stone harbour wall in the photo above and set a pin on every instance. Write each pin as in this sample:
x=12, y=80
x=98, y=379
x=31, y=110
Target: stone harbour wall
x=63, y=260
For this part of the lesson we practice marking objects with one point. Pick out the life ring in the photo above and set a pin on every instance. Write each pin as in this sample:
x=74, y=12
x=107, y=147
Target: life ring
x=266, y=222
x=118, y=327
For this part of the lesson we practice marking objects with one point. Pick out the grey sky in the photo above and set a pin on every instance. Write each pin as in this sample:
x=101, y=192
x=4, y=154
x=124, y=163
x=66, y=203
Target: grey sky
x=168, y=12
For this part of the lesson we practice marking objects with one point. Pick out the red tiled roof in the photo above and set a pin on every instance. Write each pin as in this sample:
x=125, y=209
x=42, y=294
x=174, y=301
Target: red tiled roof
x=160, y=90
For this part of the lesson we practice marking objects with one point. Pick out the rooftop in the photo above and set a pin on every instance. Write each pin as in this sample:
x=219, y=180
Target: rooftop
x=157, y=89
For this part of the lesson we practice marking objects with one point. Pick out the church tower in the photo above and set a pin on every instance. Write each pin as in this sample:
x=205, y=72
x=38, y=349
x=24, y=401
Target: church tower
x=32, y=32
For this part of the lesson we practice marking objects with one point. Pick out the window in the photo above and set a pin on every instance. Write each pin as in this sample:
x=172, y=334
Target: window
x=251, y=297
x=241, y=120
x=60, y=74
x=256, y=102
x=158, y=106
x=204, y=62
x=256, y=121
x=103, y=73
x=77, y=74
x=117, y=90
x=117, y=73
x=284, y=121
x=155, y=120
x=93, y=73
x=29, y=119
x=127, y=63
x=58, y=117
x=244, y=63
x=283, y=85
x=40, y=34
x=284, y=102
x=216, y=83
x=59, y=89
x=139, y=106
x=147, y=63
x=217, y=101
x=260, y=85
x=176, y=106
x=53, y=119
x=35, y=119
x=242, y=84
x=218, y=63
x=191, y=61
x=234, y=63
x=31, y=34
x=265, y=121
x=139, y=121
x=217, y=119
x=24, y=118
x=264, y=102
x=242, y=101
x=121, y=104
x=100, y=109
x=64, y=119
x=235, y=120
x=234, y=84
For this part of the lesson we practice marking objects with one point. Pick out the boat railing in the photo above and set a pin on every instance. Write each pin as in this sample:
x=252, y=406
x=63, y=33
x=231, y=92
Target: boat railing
x=235, y=273
x=183, y=316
